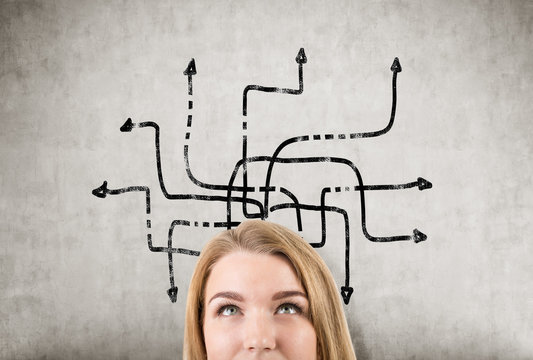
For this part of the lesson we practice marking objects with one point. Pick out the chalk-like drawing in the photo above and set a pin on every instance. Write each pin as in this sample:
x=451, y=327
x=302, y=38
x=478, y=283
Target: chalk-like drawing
x=252, y=208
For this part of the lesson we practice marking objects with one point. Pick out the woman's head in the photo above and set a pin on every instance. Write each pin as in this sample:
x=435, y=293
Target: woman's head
x=256, y=284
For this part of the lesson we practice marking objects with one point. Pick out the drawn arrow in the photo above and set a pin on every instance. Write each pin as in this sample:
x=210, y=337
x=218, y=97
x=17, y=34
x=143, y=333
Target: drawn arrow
x=395, y=68
x=300, y=59
x=102, y=191
x=173, y=293
x=190, y=71
x=173, y=290
x=346, y=292
x=421, y=183
x=419, y=236
x=129, y=125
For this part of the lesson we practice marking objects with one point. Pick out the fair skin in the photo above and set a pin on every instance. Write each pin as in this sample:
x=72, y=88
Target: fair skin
x=256, y=308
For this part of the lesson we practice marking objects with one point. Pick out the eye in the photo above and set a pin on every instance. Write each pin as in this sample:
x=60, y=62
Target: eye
x=288, y=309
x=228, y=310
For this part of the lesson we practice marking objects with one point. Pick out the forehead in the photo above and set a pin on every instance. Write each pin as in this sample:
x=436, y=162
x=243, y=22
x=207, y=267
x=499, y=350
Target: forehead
x=250, y=273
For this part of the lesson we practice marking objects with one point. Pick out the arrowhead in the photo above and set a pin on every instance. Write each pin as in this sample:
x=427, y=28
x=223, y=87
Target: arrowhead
x=101, y=191
x=127, y=126
x=173, y=293
x=396, y=67
x=419, y=236
x=301, y=58
x=423, y=184
x=191, y=68
x=346, y=292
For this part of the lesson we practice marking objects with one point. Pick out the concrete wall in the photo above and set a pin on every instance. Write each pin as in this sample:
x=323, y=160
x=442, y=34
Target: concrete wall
x=77, y=279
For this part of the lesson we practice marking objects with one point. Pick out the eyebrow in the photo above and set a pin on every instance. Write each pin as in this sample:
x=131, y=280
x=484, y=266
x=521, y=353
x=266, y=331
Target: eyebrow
x=232, y=295
x=290, y=293
x=227, y=295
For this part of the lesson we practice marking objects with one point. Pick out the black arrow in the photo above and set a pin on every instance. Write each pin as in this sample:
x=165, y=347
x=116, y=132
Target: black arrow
x=173, y=293
x=421, y=183
x=346, y=292
x=300, y=59
x=128, y=125
x=190, y=71
x=395, y=68
x=102, y=191
x=173, y=290
x=419, y=236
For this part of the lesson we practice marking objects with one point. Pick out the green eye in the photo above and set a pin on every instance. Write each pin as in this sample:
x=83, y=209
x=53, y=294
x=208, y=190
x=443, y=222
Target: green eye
x=228, y=310
x=288, y=309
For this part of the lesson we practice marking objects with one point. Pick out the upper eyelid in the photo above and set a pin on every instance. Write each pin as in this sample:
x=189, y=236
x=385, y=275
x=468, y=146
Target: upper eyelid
x=294, y=300
x=299, y=308
x=222, y=307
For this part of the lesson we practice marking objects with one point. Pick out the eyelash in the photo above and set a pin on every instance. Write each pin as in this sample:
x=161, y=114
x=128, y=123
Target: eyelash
x=297, y=309
x=226, y=306
x=222, y=308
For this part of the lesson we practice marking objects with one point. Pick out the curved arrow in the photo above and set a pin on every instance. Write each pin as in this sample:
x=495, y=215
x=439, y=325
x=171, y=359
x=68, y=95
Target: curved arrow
x=129, y=125
x=189, y=72
x=346, y=290
x=173, y=290
x=417, y=235
x=102, y=191
x=395, y=68
x=296, y=202
x=300, y=59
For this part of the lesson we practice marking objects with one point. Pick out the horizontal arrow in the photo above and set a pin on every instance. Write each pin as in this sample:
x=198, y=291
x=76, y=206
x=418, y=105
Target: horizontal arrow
x=421, y=183
x=419, y=236
x=102, y=191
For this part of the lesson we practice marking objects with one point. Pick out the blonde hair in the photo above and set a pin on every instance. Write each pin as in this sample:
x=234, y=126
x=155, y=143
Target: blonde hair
x=261, y=237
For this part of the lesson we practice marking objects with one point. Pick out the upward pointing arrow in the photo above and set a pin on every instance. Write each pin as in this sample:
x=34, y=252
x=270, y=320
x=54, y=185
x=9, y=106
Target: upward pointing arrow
x=191, y=68
x=396, y=67
x=301, y=58
x=190, y=71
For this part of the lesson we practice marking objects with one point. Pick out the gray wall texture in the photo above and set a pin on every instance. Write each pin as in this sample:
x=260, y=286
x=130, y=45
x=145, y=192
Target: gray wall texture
x=77, y=280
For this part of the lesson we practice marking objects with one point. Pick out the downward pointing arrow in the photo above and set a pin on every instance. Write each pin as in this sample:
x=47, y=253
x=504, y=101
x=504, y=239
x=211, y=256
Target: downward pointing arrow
x=346, y=292
x=173, y=293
